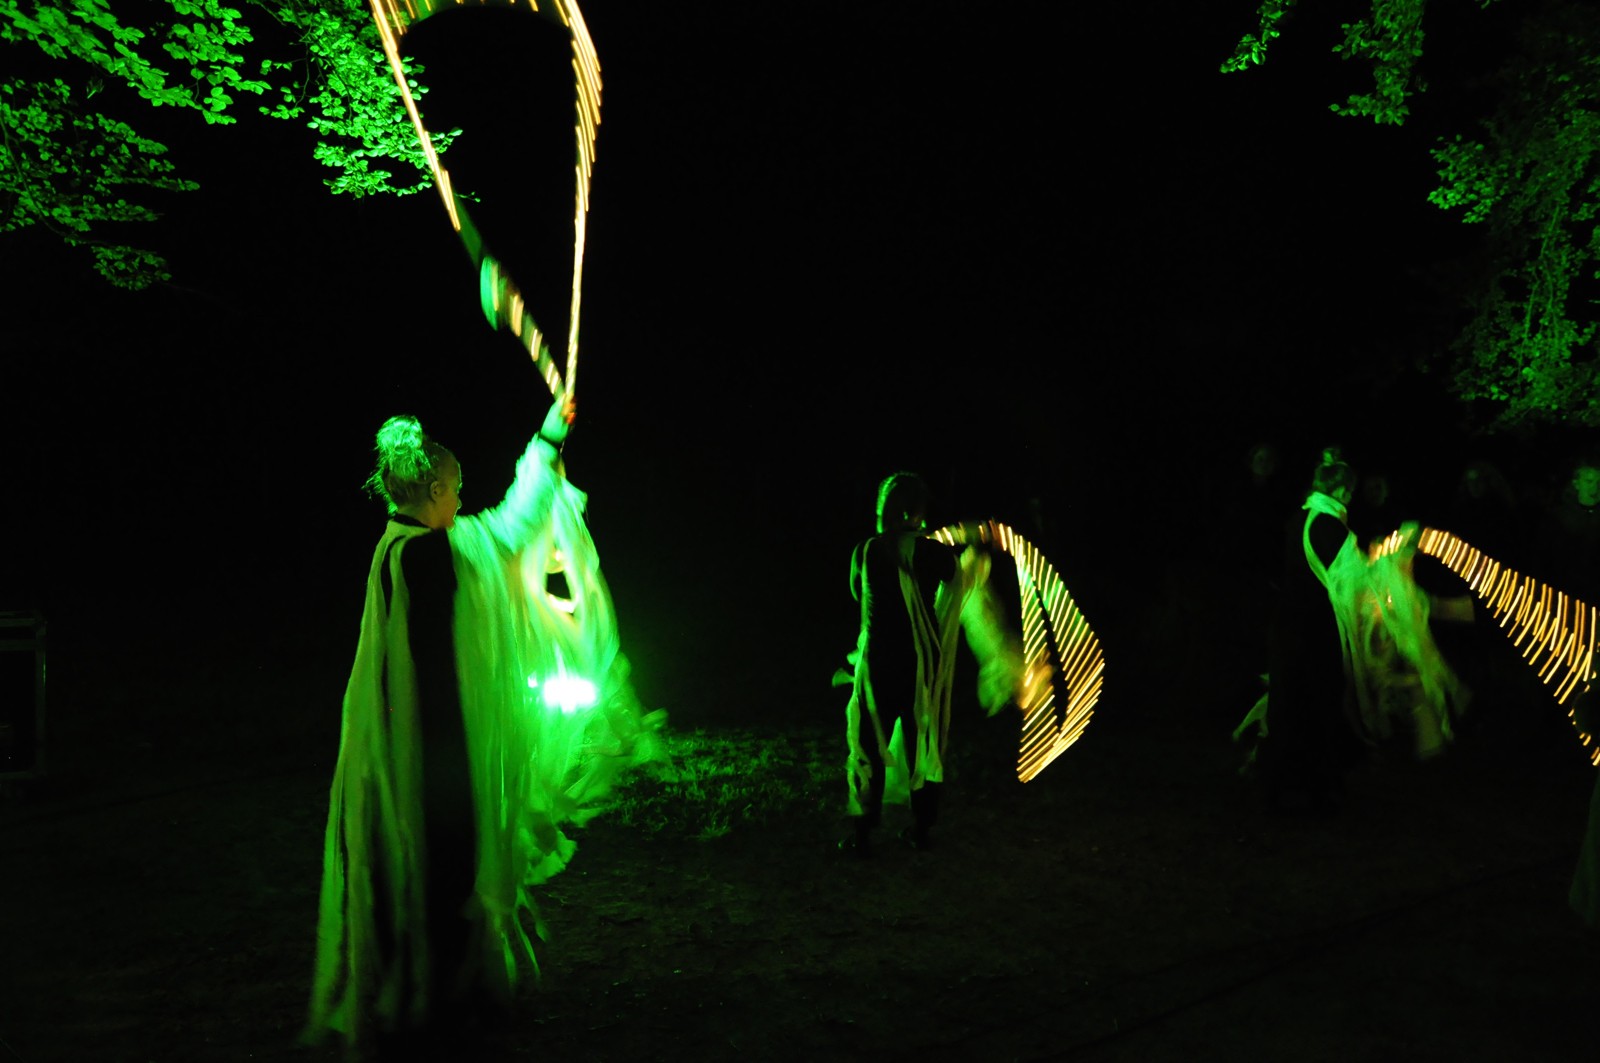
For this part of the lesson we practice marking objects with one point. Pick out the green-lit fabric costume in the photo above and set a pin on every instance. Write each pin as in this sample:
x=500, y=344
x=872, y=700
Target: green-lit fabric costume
x=1391, y=660
x=905, y=661
x=902, y=678
x=540, y=755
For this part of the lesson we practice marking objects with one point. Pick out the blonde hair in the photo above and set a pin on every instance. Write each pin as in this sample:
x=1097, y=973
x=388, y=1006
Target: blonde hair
x=408, y=463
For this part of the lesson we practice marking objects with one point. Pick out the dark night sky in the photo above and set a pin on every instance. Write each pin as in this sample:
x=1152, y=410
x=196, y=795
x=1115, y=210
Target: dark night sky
x=1034, y=255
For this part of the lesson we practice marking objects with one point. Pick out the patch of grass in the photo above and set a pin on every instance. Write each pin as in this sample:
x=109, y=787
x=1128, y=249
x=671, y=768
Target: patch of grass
x=722, y=780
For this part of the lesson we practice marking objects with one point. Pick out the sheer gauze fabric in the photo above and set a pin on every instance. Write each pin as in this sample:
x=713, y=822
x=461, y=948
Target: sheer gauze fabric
x=535, y=767
x=964, y=601
x=1391, y=660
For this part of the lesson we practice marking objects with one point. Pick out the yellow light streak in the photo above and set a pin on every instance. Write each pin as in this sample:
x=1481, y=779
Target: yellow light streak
x=394, y=19
x=1047, y=609
x=1555, y=631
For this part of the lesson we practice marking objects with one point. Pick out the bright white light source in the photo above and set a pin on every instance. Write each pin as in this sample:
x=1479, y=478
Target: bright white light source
x=569, y=693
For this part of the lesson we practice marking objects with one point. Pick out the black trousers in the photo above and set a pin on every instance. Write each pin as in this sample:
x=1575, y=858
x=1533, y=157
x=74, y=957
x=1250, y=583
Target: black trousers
x=894, y=689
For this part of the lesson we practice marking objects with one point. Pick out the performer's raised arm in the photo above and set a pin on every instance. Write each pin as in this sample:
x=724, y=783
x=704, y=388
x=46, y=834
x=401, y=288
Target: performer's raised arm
x=526, y=507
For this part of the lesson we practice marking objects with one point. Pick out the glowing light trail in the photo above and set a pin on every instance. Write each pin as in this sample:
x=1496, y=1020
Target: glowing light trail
x=502, y=302
x=1048, y=616
x=1540, y=621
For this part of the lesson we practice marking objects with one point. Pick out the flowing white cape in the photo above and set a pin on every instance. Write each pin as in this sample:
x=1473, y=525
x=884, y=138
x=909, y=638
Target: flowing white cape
x=540, y=757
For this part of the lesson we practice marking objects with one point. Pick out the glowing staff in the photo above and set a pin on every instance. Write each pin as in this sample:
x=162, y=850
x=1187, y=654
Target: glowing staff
x=1051, y=624
x=503, y=304
x=1540, y=621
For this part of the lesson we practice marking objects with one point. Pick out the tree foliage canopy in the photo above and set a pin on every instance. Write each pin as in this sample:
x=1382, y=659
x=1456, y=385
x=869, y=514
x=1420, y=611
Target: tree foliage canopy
x=67, y=165
x=1530, y=176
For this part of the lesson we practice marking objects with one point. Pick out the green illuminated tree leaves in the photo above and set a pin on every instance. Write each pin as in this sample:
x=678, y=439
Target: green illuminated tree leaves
x=1252, y=47
x=353, y=104
x=87, y=31
x=1391, y=40
x=1532, y=180
x=66, y=165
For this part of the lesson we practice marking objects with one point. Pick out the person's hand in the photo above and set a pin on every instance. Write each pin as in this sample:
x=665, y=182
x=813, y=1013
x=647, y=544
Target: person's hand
x=1586, y=711
x=563, y=411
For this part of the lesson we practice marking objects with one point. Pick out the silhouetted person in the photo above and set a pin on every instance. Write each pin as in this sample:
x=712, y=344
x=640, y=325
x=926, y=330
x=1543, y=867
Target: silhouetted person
x=1484, y=512
x=903, y=661
x=1379, y=513
x=1570, y=539
x=1585, y=893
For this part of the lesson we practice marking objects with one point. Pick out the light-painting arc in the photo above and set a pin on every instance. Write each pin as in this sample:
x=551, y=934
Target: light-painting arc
x=1555, y=631
x=1058, y=645
x=503, y=303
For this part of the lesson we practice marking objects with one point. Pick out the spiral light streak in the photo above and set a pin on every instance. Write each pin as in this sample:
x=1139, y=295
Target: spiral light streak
x=1052, y=626
x=1555, y=631
x=502, y=301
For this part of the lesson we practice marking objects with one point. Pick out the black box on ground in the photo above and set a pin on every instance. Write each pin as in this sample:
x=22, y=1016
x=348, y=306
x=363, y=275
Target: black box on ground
x=22, y=701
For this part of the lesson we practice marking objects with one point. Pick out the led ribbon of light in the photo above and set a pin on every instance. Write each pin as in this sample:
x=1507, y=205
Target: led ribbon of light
x=1539, y=620
x=1052, y=626
x=503, y=304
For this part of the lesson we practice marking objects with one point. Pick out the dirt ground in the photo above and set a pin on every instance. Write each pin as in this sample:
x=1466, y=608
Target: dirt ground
x=1135, y=902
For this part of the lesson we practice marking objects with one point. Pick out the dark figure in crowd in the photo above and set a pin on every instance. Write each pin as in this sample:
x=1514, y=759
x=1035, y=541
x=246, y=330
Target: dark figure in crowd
x=1585, y=892
x=1484, y=511
x=1569, y=545
x=1379, y=514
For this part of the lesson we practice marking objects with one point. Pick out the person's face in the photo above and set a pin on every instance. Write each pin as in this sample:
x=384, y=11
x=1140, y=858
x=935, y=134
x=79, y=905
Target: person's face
x=1263, y=463
x=445, y=499
x=1586, y=481
x=1375, y=491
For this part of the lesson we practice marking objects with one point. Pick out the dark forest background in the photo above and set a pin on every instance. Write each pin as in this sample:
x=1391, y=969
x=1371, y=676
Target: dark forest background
x=1046, y=255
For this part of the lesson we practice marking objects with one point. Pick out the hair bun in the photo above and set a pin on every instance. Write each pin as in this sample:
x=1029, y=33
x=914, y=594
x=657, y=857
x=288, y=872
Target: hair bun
x=400, y=445
x=1331, y=456
x=407, y=462
x=400, y=433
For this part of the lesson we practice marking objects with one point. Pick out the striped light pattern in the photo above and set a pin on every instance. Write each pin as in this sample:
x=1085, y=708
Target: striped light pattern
x=1056, y=641
x=503, y=303
x=1555, y=632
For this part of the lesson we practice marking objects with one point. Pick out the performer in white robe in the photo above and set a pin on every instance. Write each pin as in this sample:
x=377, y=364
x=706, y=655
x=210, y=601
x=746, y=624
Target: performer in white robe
x=483, y=713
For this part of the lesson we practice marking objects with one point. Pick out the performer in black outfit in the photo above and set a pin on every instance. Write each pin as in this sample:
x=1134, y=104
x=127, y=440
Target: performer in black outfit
x=904, y=658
